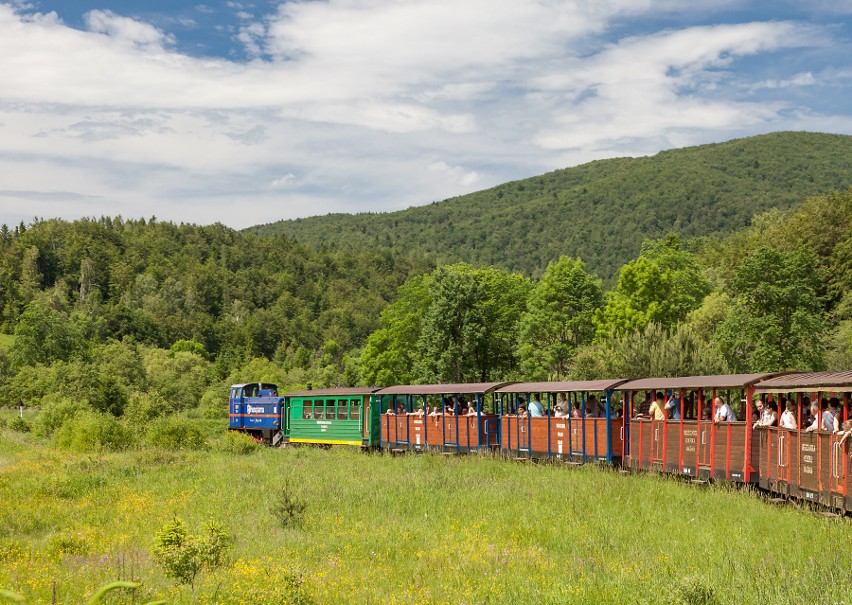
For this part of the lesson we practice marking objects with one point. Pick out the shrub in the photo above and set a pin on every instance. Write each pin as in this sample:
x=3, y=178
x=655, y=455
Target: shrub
x=2, y=423
x=288, y=508
x=693, y=591
x=19, y=424
x=240, y=443
x=142, y=408
x=56, y=411
x=67, y=544
x=183, y=555
x=214, y=403
x=174, y=433
x=94, y=431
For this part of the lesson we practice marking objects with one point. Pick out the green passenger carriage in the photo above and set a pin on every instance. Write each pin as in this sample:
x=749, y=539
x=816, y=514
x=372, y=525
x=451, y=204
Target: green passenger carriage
x=340, y=416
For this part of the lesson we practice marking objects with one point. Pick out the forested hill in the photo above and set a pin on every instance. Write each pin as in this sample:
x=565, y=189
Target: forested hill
x=601, y=211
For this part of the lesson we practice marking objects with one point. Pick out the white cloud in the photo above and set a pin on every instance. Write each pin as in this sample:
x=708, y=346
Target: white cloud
x=457, y=174
x=287, y=180
x=802, y=79
x=364, y=104
x=124, y=29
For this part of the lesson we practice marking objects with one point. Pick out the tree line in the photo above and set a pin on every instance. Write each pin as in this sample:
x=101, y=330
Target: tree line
x=144, y=318
x=601, y=211
x=775, y=296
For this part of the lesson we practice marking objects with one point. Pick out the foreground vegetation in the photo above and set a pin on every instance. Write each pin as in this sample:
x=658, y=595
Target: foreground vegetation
x=413, y=529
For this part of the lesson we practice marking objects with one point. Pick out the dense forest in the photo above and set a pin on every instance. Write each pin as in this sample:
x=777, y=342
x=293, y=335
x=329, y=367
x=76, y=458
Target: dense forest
x=118, y=315
x=109, y=318
x=774, y=296
x=601, y=211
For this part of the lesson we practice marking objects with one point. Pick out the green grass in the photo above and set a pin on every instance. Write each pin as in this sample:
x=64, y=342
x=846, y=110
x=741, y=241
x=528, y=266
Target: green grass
x=410, y=529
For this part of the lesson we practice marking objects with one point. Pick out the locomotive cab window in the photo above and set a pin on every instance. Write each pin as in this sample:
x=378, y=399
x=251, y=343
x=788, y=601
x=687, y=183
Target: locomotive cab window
x=342, y=410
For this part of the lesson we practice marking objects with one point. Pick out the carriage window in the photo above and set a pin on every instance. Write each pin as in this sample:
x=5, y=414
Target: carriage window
x=318, y=410
x=355, y=413
x=306, y=409
x=342, y=410
x=329, y=409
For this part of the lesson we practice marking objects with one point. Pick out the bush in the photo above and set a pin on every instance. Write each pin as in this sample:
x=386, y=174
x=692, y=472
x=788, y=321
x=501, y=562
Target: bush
x=240, y=443
x=183, y=555
x=693, y=591
x=288, y=508
x=19, y=424
x=142, y=408
x=67, y=543
x=94, y=431
x=214, y=403
x=174, y=433
x=2, y=423
x=56, y=411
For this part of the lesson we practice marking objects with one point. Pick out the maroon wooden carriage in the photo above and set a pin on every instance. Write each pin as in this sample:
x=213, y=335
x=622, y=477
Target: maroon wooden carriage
x=415, y=427
x=812, y=466
x=694, y=445
x=597, y=437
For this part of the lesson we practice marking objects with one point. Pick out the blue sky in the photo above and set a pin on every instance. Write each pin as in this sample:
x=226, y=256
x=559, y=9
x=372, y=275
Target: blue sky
x=250, y=112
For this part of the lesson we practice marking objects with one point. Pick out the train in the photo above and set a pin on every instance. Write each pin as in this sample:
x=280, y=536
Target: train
x=610, y=422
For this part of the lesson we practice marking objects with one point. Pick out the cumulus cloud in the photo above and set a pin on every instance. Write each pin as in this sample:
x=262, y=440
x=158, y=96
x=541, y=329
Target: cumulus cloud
x=287, y=180
x=802, y=79
x=124, y=29
x=366, y=104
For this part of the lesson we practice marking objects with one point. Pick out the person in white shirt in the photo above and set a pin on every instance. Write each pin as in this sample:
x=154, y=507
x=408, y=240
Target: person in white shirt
x=561, y=409
x=724, y=412
x=766, y=415
x=815, y=418
x=788, y=418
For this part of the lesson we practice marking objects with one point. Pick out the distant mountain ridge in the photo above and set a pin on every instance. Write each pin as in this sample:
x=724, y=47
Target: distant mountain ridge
x=600, y=211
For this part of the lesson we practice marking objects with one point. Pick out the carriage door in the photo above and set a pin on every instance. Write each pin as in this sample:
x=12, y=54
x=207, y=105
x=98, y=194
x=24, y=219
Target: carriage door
x=658, y=448
x=523, y=433
x=838, y=461
x=704, y=431
x=782, y=456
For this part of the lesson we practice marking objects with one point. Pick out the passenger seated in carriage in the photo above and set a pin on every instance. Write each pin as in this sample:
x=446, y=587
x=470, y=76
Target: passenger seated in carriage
x=471, y=409
x=672, y=407
x=831, y=416
x=845, y=430
x=592, y=407
x=536, y=410
x=724, y=412
x=812, y=423
x=788, y=418
x=658, y=409
x=562, y=410
x=766, y=416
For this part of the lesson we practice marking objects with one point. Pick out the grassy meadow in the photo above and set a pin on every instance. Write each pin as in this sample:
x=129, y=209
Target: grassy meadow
x=406, y=529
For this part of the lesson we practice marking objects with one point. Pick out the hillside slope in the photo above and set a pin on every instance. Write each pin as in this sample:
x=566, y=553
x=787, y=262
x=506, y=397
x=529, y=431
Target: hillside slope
x=601, y=211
